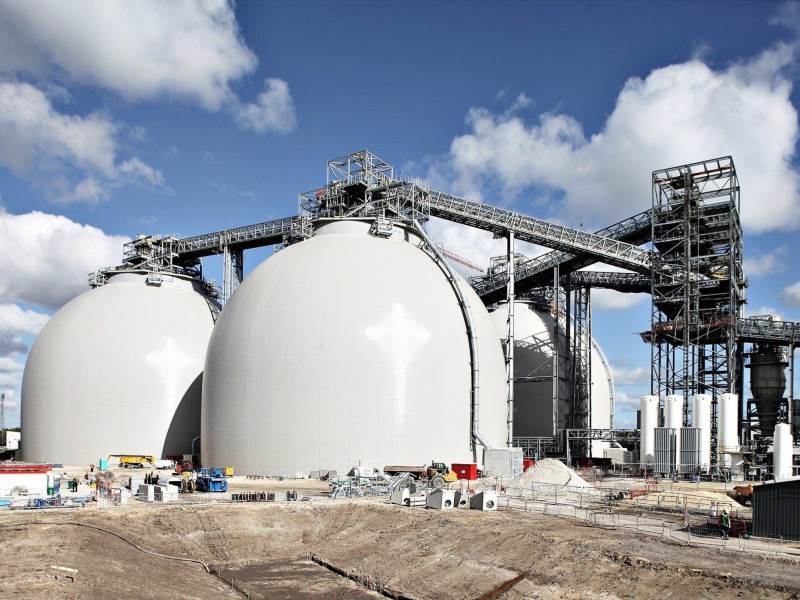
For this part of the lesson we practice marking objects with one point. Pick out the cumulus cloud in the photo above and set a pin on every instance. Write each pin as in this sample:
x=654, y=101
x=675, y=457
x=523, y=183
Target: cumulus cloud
x=141, y=50
x=476, y=245
x=630, y=375
x=145, y=50
x=72, y=157
x=677, y=114
x=790, y=295
x=15, y=323
x=47, y=258
x=273, y=110
x=767, y=263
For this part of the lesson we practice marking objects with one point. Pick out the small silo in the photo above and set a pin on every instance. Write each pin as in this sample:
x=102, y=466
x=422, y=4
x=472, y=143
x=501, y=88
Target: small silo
x=118, y=370
x=344, y=348
x=534, y=331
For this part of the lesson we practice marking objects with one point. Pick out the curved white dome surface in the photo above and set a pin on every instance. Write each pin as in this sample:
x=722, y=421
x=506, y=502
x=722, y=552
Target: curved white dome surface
x=118, y=370
x=533, y=357
x=346, y=348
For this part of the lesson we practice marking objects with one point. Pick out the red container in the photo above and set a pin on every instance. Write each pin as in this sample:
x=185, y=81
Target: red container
x=466, y=470
x=527, y=463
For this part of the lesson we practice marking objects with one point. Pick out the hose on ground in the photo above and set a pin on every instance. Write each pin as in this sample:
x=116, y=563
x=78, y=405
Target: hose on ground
x=108, y=531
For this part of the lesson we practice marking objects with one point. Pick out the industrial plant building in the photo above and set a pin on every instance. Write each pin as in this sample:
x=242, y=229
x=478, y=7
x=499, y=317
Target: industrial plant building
x=358, y=341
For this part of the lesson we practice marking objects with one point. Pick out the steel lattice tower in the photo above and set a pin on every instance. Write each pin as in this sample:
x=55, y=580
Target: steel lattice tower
x=697, y=281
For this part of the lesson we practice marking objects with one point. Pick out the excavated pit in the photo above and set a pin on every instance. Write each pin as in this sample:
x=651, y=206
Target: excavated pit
x=362, y=549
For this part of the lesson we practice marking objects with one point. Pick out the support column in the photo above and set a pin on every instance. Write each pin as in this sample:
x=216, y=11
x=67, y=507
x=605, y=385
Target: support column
x=792, y=416
x=232, y=271
x=556, y=339
x=510, y=297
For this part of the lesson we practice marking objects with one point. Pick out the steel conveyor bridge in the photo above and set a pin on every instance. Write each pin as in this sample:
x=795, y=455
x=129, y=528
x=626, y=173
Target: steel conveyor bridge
x=536, y=272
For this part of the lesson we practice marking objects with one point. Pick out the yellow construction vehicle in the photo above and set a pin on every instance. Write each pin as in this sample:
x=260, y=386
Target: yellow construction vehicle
x=133, y=461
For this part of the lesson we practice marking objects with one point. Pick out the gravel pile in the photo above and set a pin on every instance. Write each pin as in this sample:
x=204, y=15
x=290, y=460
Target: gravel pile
x=553, y=472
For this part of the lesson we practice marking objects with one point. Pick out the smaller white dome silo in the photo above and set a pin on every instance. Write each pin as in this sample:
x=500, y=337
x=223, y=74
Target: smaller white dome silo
x=118, y=370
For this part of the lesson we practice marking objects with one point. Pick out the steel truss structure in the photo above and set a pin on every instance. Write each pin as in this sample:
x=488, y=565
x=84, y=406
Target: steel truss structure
x=698, y=285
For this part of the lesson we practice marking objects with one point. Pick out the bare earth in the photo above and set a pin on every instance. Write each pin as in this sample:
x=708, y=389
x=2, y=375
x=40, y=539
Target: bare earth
x=269, y=551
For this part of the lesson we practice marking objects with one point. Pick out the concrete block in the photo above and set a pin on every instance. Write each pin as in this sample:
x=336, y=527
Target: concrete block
x=484, y=501
x=441, y=500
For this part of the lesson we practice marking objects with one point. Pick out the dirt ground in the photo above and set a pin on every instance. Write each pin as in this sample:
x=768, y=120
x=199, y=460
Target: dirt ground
x=275, y=551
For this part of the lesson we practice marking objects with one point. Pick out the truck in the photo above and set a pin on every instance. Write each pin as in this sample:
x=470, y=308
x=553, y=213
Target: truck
x=164, y=464
x=133, y=461
x=438, y=473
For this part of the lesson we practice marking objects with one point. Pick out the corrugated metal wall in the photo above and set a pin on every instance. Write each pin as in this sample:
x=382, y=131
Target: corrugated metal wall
x=776, y=510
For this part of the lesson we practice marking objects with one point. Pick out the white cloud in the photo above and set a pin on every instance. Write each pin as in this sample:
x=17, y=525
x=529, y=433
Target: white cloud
x=47, y=258
x=630, y=375
x=273, y=110
x=767, y=263
x=73, y=158
x=144, y=50
x=677, y=114
x=15, y=323
x=791, y=295
x=140, y=50
x=612, y=300
x=476, y=245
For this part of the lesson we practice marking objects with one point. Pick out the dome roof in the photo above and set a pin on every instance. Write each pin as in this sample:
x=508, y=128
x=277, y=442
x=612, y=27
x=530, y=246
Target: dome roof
x=117, y=370
x=346, y=348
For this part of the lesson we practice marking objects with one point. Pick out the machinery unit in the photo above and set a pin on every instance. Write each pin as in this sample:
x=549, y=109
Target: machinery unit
x=344, y=347
x=118, y=367
x=666, y=446
x=768, y=385
x=211, y=480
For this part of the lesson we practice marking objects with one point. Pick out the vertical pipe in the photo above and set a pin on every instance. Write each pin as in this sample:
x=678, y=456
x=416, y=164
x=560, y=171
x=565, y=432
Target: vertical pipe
x=475, y=431
x=510, y=342
x=791, y=415
x=556, y=309
x=589, y=448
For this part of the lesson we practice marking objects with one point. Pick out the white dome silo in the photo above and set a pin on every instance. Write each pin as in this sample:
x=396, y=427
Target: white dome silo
x=118, y=370
x=533, y=358
x=343, y=348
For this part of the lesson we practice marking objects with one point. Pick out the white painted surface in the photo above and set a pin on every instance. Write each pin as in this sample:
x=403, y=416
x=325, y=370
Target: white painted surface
x=533, y=357
x=35, y=483
x=117, y=371
x=648, y=421
x=782, y=451
x=701, y=418
x=346, y=348
x=673, y=418
x=728, y=426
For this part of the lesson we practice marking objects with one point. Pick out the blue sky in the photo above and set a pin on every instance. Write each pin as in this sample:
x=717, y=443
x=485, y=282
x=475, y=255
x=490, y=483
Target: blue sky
x=185, y=118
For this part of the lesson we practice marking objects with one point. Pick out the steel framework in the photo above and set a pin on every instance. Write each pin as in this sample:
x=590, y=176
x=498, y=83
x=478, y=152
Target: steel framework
x=697, y=281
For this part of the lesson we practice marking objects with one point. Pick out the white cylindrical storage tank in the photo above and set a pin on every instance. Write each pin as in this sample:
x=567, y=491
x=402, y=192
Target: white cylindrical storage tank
x=343, y=348
x=673, y=419
x=782, y=451
x=118, y=370
x=728, y=427
x=701, y=419
x=648, y=421
x=534, y=332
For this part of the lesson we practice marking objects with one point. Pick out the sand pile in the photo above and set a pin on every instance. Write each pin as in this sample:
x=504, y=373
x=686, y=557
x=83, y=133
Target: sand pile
x=553, y=472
